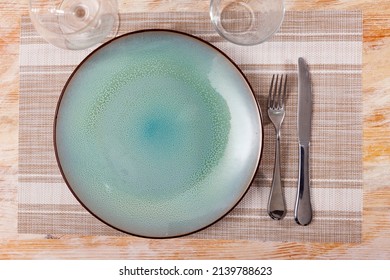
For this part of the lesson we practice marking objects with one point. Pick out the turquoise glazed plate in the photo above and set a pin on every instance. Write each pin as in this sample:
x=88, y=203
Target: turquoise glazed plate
x=158, y=134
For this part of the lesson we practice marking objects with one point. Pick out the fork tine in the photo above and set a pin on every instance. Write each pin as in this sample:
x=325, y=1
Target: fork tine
x=284, y=91
x=273, y=92
x=274, y=102
x=270, y=92
x=280, y=100
x=277, y=91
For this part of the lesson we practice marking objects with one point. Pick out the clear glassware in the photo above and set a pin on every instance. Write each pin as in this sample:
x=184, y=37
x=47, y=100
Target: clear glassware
x=74, y=24
x=246, y=22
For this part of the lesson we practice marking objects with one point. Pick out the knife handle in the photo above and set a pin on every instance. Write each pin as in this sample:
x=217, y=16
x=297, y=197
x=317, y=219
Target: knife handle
x=303, y=210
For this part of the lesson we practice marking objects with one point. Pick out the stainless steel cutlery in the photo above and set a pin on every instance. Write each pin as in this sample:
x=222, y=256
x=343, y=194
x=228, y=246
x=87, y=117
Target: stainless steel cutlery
x=276, y=113
x=303, y=209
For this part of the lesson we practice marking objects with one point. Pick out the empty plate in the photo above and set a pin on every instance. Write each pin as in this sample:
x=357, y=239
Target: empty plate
x=158, y=133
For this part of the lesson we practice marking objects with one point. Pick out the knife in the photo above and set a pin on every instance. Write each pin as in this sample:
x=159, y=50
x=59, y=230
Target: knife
x=303, y=210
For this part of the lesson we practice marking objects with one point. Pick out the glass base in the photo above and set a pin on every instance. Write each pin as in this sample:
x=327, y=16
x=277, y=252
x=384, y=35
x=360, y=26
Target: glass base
x=237, y=17
x=78, y=14
x=75, y=24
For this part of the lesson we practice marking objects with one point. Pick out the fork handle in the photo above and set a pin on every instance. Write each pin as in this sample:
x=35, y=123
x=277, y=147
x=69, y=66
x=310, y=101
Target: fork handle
x=303, y=210
x=276, y=204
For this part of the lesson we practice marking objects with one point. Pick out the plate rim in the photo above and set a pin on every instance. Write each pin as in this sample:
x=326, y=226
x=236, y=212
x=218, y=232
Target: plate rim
x=75, y=70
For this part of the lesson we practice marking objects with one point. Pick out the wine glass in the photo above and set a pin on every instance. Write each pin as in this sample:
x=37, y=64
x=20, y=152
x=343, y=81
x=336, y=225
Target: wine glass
x=247, y=22
x=74, y=24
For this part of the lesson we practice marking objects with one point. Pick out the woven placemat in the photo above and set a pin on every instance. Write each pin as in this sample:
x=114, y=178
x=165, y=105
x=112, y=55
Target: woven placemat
x=330, y=41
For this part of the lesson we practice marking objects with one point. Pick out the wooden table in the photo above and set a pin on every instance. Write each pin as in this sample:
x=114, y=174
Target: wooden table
x=376, y=156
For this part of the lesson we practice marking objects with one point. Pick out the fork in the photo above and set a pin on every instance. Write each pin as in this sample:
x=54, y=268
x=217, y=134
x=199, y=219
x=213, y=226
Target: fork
x=276, y=112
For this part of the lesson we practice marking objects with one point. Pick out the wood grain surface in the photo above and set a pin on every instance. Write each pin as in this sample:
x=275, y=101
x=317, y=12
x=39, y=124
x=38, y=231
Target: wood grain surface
x=376, y=156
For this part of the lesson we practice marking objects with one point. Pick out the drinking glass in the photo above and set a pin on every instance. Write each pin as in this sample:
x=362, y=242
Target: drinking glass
x=246, y=22
x=74, y=24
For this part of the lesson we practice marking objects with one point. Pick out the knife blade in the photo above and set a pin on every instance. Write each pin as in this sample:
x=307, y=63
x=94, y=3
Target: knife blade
x=303, y=208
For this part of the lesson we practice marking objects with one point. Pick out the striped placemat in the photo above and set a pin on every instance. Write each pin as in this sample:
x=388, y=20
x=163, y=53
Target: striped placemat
x=331, y=42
